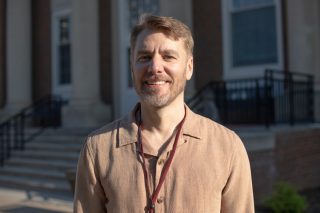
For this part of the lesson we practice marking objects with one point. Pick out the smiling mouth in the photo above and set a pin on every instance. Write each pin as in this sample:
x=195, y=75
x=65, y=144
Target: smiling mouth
x=156, y=82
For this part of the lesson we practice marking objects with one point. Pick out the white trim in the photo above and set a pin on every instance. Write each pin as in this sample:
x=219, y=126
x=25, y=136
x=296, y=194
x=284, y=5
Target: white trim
x=65, y=90
x=240, y=9
x=124, y=97
x=231, y=72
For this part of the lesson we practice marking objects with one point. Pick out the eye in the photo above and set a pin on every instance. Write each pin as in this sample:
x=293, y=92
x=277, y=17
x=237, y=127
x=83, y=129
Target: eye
x=168, y=57
x=143, y=58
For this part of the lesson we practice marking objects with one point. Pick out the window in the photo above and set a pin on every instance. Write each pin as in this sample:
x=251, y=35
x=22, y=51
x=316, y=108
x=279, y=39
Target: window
x=138, y=7
x=253, y=32
x=64, y=55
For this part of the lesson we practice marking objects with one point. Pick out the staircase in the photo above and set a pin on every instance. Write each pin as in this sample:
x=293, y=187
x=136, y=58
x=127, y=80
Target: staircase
x=42, y=166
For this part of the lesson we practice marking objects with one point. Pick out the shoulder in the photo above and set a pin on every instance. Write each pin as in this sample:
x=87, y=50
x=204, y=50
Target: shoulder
x=105, y=130
x=223, y=141
x=210, y=127
x=212, y=132
x=105, y=138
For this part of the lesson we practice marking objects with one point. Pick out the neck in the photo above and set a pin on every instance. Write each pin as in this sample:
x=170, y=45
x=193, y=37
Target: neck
x=162, y=120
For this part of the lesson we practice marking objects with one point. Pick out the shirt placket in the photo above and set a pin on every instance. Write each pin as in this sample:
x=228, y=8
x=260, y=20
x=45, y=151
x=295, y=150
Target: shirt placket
x=159, y=205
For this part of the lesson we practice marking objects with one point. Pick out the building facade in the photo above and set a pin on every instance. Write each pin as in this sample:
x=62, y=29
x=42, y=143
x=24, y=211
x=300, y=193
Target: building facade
x=80, y=49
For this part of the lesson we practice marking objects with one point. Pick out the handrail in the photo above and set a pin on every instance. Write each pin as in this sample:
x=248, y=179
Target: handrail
x=276, y=97
x=287, y=73
x=42, y=114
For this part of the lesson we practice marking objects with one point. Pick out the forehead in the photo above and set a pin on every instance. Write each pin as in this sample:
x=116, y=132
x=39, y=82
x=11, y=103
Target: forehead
x=156, y=39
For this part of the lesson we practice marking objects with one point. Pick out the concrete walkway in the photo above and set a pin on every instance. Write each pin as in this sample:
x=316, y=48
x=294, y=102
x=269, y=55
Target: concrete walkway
x=19, y=201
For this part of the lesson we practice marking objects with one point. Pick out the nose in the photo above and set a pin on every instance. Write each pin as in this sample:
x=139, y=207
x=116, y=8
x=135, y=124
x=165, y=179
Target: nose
x=155, y=65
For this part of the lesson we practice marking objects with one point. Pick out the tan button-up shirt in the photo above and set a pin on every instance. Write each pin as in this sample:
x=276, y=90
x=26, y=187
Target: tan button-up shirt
x=210, y=171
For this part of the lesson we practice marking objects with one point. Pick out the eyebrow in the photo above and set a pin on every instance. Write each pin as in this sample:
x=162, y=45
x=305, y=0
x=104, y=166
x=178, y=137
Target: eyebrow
x=171, y=52
x=168, y=51
x=142, y=52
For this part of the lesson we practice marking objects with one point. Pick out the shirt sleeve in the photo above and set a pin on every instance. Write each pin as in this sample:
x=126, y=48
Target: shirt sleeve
x=89, y=195
x=237, y=195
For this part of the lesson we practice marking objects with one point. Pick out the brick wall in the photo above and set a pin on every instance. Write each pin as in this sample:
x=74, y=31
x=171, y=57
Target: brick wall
x=41, y=49
x=105, y=50
x=294, y=159
x=317, y=104
x=298, y=157
x=207, y=32
x=263, y=172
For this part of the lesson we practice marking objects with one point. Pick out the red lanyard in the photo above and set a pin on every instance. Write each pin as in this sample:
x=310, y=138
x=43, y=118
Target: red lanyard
x=164, y=171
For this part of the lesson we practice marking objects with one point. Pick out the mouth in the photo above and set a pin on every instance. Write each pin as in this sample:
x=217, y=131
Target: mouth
x=156, y=83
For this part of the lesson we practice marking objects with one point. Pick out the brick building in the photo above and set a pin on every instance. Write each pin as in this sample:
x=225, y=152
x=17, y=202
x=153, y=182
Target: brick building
x=80, y=49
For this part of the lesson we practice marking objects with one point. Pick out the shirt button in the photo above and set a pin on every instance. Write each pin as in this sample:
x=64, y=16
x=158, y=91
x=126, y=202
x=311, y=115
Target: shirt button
x=161, y=161
x=160, y=199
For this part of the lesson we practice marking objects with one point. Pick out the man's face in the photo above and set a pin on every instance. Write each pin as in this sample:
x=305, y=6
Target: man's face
x=160, y=68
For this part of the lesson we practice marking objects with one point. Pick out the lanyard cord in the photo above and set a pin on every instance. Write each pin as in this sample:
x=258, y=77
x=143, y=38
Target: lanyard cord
x=166, y=166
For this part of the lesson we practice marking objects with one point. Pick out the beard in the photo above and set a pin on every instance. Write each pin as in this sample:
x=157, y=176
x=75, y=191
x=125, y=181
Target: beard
x=151, y=96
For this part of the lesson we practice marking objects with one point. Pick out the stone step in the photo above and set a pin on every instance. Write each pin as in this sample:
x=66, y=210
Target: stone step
x=53, y=147
x=40, y=163
x=44, y=163
x=53, y=155
x=63, y=139
x=76, y=131
x=35, y=184
x=20, y=171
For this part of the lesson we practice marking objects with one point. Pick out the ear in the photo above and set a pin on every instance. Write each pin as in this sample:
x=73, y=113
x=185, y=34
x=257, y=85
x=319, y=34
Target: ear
x=189, y=70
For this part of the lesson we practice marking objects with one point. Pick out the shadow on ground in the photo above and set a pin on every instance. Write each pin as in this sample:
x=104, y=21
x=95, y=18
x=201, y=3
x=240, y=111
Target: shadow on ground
x=26, y=209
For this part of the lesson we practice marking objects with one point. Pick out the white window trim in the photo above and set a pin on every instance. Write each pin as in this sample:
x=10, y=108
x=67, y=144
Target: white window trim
x=249, y=7
x=231, y=72
x=63, y=90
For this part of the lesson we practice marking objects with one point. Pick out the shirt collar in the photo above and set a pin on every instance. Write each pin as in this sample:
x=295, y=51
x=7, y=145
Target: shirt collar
x=128, y=128
x=192, y=125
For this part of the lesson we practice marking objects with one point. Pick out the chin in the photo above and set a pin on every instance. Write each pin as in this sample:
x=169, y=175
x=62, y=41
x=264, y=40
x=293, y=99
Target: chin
x=154, y=101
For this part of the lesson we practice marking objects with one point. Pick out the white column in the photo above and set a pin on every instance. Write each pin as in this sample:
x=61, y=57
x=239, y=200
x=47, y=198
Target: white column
x=18, y=55
x=85, y=107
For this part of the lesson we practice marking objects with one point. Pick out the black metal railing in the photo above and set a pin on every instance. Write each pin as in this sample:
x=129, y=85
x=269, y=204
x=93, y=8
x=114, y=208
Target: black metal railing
x=277, y=97
x=44, y=113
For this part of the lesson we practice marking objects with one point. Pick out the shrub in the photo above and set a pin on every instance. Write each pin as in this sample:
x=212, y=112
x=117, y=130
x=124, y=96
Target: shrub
x=286, y=199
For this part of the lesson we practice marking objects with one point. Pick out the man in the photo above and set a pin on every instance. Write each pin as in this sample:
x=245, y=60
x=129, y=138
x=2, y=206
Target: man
x=163, y=157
